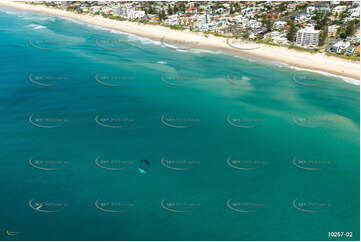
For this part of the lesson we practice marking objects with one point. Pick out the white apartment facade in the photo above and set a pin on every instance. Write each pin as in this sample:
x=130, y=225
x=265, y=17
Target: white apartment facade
x=134, y=14
x=307, y=37
x=172, y=20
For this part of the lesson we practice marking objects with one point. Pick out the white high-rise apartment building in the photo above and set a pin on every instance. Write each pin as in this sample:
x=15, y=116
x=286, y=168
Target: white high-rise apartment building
x=307, y=37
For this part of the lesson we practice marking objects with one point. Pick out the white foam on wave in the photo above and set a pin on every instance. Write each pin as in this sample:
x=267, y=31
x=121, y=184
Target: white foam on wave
x=245, y=58
x=37, y=18
x=172, y=46
x=83, y=23
x=130, y=36
x=25, y=15
x=245, y=78
x=75, y=21
x=8, y=11
x=135, y=38
x=94, y=26
x=196, y=51
x=143, y=40
x=35, y=26
x=40, y=27
x=162, y=62
x=345, y=79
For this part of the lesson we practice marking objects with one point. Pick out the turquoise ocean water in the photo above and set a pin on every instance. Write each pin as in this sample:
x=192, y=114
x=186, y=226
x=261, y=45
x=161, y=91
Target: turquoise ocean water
x=237, y=148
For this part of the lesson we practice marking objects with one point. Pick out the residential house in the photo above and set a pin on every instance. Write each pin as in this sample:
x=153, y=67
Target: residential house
x=332, y=30
x=339, y=9
x=279, y=25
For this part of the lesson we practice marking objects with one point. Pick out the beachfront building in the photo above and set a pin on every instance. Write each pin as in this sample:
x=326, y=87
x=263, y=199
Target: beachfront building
x=172, y=20
x=107, y=10
x=307, y=37
x=340, y=46
x=127, y=11
x=274, y=34
x=120, y=10
x=280, y=40
x=134, y=14
x=188, y=21
x=202, y=22
x=357, y=51
x=203, y=19
x=95, y=9
x=332, y=30
x=350, y=50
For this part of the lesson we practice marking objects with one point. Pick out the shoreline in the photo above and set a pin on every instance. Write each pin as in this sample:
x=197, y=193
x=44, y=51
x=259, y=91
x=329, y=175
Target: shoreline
x=304, y=60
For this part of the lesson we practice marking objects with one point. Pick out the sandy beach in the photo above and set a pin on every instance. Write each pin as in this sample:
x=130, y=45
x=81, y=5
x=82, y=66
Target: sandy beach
x=318, y=61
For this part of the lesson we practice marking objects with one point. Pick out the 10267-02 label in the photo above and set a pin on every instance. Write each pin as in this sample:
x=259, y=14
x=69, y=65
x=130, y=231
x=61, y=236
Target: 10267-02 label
x=340, y=234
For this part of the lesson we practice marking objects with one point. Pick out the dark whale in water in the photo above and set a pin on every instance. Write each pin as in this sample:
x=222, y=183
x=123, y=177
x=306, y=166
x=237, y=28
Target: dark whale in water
x=145, y=162
x=142, y=165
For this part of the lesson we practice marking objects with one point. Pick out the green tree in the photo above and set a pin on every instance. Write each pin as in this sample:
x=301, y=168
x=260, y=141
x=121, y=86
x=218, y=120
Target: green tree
x=292, y=31
x=245, y=35
x=321, y=22
x=343, y=15
x=231, y=9
x=170, y=10
x=301, y=7
x=151, y=10
x=237, y=7
x=283, y=6
x=266, y=22
x=161, y=15
x=323, y=36
x=350, y=28
x=182, y=6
